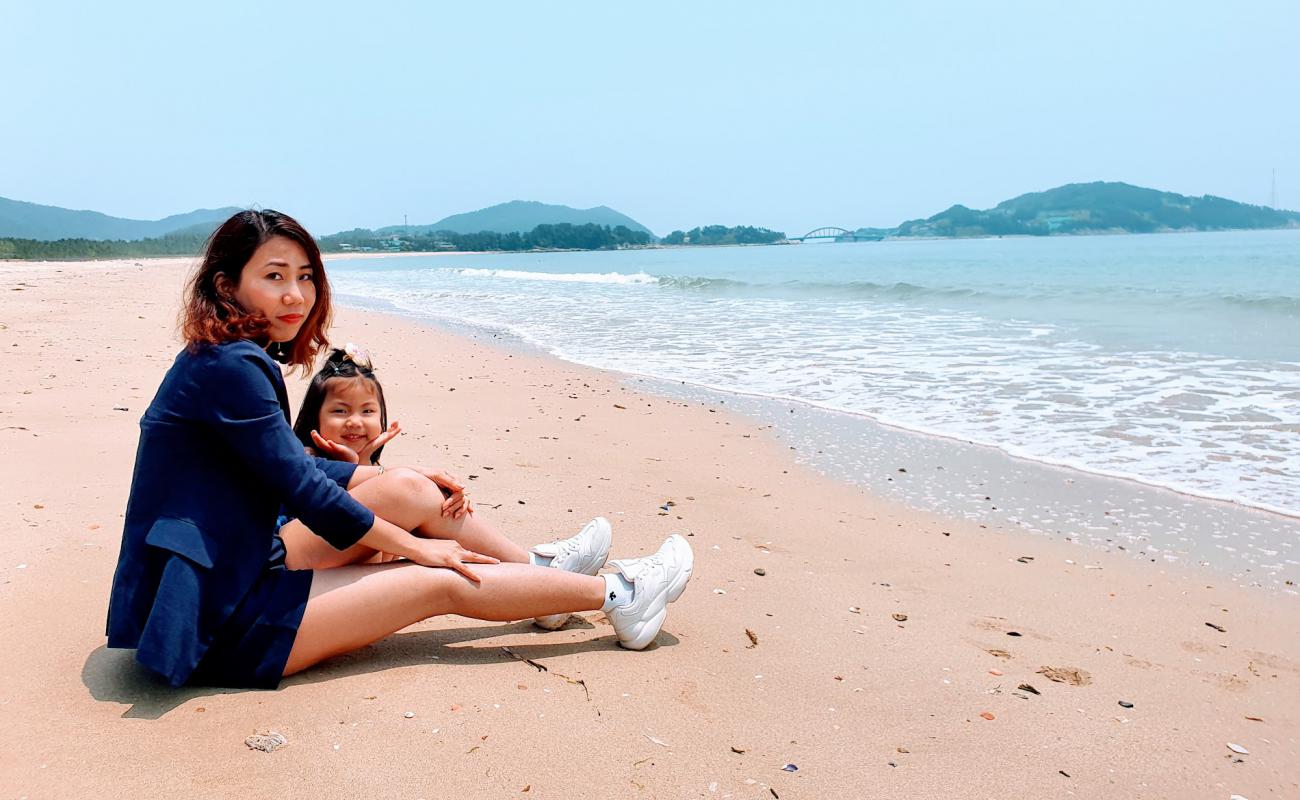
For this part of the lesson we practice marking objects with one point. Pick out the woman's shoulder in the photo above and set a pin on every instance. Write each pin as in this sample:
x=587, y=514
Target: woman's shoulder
x=221, y=361
x=239, y=351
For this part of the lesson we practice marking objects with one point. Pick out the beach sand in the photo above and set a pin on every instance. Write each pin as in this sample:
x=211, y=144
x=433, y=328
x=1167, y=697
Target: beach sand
x=881, y=652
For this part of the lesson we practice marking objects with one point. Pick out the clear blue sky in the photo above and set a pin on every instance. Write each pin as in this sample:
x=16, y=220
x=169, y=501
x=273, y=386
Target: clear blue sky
x=786, y=115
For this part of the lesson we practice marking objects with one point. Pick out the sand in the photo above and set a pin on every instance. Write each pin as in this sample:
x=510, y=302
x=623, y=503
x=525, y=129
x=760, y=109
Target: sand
x=877, y=652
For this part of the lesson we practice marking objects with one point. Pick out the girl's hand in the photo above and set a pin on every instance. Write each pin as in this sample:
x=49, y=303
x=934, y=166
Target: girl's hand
x=334, y=450
x=448, y=553
x=366, y=454
x=458, y=504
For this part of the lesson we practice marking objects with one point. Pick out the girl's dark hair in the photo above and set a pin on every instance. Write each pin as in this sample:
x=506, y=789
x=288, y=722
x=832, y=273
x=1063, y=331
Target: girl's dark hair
x=210, y=314
x=337, y=365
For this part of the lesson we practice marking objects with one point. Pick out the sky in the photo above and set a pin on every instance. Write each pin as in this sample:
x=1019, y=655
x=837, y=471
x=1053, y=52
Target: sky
x=788, y=116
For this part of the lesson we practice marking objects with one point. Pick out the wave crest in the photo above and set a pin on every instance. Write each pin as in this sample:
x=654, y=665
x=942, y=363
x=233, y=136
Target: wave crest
x=558, y=277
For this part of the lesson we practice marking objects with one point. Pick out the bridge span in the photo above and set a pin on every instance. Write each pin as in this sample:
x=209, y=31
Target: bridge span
x=837, y=235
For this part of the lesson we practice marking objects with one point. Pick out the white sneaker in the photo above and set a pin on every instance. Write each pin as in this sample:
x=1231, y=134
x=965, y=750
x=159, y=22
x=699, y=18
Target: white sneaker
x=584, y=552
x=658, y=580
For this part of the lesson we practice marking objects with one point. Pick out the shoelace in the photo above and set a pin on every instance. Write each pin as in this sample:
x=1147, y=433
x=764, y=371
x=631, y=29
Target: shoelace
x=655, y=560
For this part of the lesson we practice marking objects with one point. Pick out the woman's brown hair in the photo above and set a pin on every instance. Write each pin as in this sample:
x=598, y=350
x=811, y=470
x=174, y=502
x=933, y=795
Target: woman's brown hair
x=211, y=315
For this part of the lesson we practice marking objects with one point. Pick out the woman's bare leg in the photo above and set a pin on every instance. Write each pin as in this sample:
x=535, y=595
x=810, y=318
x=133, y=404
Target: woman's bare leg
x=350, y=607
x=409, y=500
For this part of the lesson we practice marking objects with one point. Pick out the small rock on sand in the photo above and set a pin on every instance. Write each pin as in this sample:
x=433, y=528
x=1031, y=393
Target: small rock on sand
x=266, y=742
x=1071, y=675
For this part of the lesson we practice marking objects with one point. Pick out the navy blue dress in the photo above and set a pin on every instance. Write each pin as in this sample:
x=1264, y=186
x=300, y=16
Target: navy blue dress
x=201, y=592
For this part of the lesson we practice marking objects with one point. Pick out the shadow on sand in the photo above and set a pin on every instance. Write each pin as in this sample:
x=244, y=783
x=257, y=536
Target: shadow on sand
x=113, y=676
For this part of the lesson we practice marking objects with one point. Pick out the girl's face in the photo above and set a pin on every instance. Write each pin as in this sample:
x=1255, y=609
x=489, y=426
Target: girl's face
x=277, y=283
x=350, y=413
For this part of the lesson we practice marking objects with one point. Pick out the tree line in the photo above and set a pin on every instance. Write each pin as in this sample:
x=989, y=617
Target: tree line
x=180, y=244
x=563, y=236
x=721, y=234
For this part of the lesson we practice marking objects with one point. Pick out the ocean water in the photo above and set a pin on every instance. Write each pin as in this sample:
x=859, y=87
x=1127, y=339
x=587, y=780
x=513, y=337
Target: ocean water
x=1172, y=360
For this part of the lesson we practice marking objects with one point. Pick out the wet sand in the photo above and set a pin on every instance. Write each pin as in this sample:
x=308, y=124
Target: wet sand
x=882, y=660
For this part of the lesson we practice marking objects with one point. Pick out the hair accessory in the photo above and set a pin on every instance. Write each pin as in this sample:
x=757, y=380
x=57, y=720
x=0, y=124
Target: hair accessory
x=357, y=355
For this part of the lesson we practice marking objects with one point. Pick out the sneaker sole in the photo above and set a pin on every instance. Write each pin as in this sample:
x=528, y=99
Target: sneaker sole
x=647, y=633
x=553, y=622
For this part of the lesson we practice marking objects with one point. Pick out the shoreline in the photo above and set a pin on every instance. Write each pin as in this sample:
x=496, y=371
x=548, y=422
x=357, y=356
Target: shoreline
x=887, y=643
x=1275, y=531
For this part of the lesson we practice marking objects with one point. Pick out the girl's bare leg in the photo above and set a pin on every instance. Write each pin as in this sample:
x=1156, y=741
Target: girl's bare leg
x=409, y=500
x=350, y=607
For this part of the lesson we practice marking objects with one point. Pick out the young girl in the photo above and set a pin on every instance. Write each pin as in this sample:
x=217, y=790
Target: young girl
x=343, y=417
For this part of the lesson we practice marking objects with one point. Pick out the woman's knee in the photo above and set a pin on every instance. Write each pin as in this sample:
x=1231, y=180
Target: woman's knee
x=440, y=589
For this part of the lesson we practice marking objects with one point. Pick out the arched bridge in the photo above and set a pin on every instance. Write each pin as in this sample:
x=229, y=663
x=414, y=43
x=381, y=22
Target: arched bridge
x=836, y=234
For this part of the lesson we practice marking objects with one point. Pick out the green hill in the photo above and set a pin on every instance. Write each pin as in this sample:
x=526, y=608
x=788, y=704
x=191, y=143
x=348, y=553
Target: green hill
x=21, y=220
x=1099, y=207
x=521, y=216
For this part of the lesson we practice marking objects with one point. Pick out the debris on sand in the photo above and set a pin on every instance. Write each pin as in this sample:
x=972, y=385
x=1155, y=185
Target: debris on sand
x=987, y=715
x=1218, y=628
x=266, y=742
x=528, y=661
x=1071, y=675
x=753, y=639
x=543, y=668
x=997, y=652
x=1238, y=749
x=760, y=572
x=900, y=617
x=1027, y=687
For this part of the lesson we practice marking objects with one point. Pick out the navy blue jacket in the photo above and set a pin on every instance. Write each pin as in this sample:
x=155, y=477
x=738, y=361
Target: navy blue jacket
x=217, y=460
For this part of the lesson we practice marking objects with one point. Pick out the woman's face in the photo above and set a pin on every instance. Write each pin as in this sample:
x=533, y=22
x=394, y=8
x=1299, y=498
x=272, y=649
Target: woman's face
x=277, y=283
x=350, y=413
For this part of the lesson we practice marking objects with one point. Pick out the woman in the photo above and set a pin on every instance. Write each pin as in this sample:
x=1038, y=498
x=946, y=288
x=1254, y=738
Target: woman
x=201, y=589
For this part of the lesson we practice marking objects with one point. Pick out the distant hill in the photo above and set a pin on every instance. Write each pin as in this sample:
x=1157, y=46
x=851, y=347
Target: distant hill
x=1098, y=207
x=20, y=220
x=521, y=216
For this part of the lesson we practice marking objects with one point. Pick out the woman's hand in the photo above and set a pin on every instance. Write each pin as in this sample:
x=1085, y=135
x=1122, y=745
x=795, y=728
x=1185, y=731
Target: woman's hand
x=366, y=454
x=458, y=504
x=448, y=553
x=332, y=449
